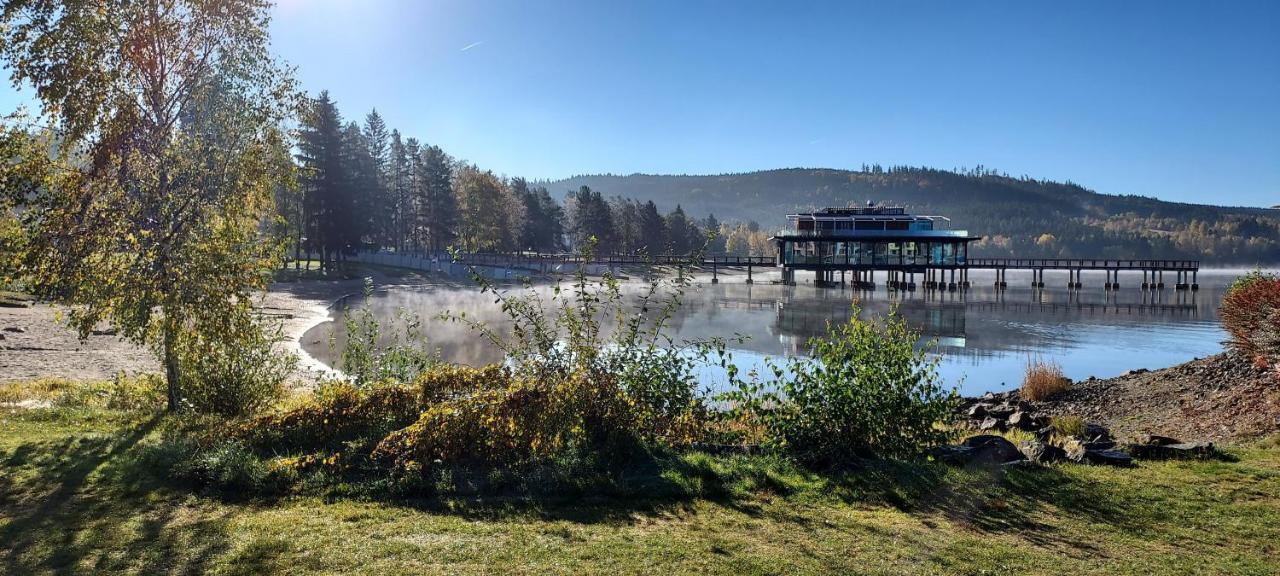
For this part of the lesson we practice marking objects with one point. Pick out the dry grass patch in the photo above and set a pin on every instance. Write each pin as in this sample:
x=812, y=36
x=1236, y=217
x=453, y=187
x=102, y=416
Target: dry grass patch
x=1043, y=379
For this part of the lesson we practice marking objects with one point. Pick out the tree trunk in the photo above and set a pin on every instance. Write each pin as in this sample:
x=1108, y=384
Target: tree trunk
x=172, y=370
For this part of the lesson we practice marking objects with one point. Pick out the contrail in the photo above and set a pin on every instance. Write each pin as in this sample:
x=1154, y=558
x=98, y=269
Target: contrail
x=471, y=45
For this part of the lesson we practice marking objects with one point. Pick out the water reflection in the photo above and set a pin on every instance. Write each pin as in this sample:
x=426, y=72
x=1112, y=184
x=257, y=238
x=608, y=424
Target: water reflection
x=984, y=335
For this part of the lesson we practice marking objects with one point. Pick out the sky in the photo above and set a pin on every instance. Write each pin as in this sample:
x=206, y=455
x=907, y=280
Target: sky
x=1172, y=99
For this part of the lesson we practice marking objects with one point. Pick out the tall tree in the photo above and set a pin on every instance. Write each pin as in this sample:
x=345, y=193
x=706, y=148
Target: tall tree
x=653, y=229
x=329, y=212
x=363, y=188
x=591, y=219
x=149, y=214
x=398, y=168
x=439, y=207
x=377, y=142
x=480, y=209
x=681, y=232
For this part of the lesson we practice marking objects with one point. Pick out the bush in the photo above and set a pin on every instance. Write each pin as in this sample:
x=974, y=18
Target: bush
x=867, y=391
x=233, y=370
x=372, y=355
x=1043, y=379
x=529, y=421
x=1250, y=313
x=341, y=411
x=1069, y=426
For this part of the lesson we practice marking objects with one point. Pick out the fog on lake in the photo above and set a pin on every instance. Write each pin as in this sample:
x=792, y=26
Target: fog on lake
x=984, y=336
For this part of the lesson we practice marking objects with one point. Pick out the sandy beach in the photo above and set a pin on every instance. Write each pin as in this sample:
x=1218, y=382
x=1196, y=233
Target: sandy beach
x=35, y=342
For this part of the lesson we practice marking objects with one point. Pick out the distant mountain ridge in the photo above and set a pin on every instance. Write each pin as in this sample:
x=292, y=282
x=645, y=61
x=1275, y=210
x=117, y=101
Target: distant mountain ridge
x=1016, y=216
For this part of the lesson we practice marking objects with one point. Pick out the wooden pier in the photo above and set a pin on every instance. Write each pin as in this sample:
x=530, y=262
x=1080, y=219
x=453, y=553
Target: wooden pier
x=897, y=273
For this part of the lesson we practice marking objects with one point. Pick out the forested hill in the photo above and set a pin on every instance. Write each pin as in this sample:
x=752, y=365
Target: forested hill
x=1016, y=216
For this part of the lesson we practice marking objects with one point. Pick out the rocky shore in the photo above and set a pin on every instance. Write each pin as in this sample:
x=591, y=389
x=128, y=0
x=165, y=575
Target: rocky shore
x=1222, y=398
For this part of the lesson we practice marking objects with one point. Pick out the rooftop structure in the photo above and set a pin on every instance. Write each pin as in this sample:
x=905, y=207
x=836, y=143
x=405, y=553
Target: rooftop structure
x=869, y=238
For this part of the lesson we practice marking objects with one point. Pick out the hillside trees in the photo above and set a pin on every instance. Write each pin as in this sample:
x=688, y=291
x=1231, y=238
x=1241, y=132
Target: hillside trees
x=149, y=211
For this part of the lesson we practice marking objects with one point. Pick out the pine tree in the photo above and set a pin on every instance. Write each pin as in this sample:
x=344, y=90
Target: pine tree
x=398, y=168
x=653, y=229
x=324, y=181
x=382, y=224
x=439, y=215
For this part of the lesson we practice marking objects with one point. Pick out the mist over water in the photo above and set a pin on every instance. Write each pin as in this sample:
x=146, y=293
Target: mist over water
x=984, y=336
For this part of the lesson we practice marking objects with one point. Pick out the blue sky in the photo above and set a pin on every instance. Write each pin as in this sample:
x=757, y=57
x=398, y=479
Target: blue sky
x=1178, y=100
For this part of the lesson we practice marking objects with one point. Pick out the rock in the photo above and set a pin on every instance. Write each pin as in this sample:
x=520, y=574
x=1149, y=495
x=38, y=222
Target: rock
x=1042, y=452
x=106, y=332
x=1100, y=445
x=1095, y=432
x=1025, y=421
x=1002, y=411
x=1154, y=440
x=991, y=424
x=15, y=329
x=1135, y=372
x=978, y=411
x=1044, y=433
x=1180, y=451
x=989, y=448
x=952, y=454
x=1109, y=458
x=984, y=449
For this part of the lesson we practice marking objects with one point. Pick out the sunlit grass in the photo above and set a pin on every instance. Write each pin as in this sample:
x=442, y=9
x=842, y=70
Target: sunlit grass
x=87, y=495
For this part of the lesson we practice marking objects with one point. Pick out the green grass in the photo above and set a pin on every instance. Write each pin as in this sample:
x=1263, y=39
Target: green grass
x=80, y=492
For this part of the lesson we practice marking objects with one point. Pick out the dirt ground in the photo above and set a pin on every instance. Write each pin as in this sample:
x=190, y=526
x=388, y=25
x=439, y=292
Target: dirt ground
x=36, y=343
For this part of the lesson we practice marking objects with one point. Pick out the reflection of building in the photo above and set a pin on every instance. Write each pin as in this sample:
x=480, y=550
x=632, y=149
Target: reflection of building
x=868, y=239
x=798, y=320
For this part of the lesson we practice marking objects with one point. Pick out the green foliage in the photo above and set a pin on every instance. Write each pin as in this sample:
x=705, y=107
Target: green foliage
x=867, y=391
x=1068, y=426
x=234, y=370
x=372, y=355
x=149, y=194
x=1250, y=313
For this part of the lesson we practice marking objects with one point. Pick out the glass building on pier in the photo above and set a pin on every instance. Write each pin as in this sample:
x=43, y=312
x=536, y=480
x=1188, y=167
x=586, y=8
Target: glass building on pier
x=871, y=238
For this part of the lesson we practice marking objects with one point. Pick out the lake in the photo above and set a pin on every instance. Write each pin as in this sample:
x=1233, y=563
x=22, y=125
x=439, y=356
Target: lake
x=984, y=336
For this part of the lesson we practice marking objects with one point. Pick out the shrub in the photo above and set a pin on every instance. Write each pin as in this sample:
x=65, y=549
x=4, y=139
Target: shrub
x=1043, y=379
x=372, y=355
x=868, y=390
x=530, y=420
x=1069, y=426
x=341, y=411
x=1250, y=313
x=233, y=370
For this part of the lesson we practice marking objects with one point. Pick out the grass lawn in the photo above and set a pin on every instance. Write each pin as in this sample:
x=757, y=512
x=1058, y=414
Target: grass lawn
x=77, y=495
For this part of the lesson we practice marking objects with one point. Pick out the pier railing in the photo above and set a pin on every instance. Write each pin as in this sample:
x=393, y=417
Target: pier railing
x=1083, y=264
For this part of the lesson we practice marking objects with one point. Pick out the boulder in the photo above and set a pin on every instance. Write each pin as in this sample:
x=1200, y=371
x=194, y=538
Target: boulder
x=1155, y=440
x=1025, y=421
x=15, y=329
x=1095, y=432
x=991, y=424
x=1044, y=433
x=984, y=449
x=1108, y=458
x=1100, y=445
x=978, y=411
x=1179, y=451
x=989, y=448
x=1001, y=411
x=1042, y=452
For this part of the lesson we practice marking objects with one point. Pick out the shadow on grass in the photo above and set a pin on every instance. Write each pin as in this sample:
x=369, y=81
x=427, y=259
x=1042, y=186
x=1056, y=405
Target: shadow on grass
x=90, y=503
x=995, y=500
x=83, y=504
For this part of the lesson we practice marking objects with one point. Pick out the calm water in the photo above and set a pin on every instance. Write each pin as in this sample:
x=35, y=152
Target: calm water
x=985, y=336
